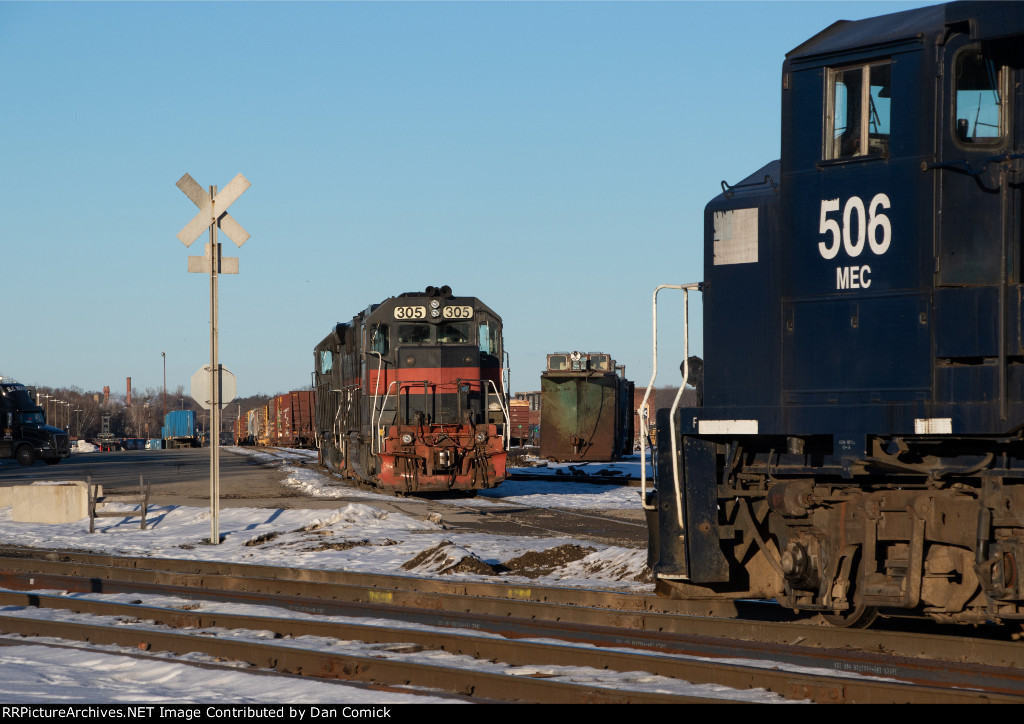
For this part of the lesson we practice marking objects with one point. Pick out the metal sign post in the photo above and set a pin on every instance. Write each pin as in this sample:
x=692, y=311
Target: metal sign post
x=213, y=215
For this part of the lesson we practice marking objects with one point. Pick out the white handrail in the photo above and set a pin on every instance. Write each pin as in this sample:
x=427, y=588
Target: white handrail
x=507, y=435
x=686, y=288
x=375, y=422
x=375, y=419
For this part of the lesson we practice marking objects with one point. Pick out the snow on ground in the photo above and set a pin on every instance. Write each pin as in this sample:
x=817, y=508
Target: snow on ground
x=356, y=537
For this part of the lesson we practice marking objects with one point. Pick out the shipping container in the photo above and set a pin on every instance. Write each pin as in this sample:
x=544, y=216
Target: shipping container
x=179, y=429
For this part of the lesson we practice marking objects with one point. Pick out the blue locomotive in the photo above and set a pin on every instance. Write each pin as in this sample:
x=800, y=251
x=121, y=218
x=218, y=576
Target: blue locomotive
x=860, y=443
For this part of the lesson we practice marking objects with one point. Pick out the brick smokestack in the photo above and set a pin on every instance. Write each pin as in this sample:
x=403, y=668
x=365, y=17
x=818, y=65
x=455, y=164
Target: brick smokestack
x=129, y=402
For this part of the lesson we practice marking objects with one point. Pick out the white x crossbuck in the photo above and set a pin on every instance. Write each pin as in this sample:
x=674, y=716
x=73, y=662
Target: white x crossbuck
x=213, y=210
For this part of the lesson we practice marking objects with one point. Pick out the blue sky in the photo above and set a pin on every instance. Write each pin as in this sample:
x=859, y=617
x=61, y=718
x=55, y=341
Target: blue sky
x=552, y=159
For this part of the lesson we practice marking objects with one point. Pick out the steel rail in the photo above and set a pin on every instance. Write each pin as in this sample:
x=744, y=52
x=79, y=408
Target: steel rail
x=822, y=687
x=596, y=627
x=332, y=665
x=327, y=592
x=232, y=667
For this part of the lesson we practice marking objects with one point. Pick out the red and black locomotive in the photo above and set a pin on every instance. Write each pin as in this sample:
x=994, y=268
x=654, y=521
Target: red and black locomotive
x=410, y=394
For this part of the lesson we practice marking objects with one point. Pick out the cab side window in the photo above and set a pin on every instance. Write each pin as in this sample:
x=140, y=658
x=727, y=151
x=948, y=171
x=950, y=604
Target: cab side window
x=489, y=338
x=379, y=340
x=979, y=100
x=326, y=361
x=857, y=111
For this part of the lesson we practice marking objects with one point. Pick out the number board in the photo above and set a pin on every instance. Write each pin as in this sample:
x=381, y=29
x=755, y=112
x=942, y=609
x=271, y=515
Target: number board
x=410, y=312
x=457, y=312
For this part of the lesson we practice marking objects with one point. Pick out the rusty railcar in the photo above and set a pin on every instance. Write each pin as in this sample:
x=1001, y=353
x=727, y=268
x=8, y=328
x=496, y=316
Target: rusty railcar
x=293, y=419
x=411, y=397
x=586, y=408
x=302, y=410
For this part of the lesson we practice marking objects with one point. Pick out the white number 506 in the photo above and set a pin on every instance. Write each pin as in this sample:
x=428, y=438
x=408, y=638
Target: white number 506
x=864, y=231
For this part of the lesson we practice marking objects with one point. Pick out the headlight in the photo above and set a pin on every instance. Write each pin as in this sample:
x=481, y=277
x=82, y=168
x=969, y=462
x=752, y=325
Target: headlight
x=481, y=436
x=434, y=303
x=435, y=312
x=406, y=439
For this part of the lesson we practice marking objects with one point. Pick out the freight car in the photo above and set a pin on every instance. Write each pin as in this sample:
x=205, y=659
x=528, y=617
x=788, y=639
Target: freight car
x=292, y=424
x=410, y=395
x=586, y=408
x=860, y=447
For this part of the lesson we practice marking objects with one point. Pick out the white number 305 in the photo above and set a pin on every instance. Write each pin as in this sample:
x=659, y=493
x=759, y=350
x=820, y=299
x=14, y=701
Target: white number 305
x=875, y=228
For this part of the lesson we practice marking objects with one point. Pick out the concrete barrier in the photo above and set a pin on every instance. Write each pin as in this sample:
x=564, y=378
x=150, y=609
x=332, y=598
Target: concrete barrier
x=48, y=502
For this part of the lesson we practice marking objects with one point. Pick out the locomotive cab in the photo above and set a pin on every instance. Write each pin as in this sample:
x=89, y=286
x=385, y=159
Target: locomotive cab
x=860, y=441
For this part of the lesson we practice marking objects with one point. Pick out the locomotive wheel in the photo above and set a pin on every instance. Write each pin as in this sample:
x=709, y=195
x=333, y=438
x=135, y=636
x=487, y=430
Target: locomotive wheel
x=860, y=615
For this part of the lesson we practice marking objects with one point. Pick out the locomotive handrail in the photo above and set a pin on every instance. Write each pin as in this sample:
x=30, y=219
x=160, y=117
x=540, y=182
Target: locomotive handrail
x=379, y=413
x=383, y=407
x=686, y=288
x=506, y=434
x=504, y=409
x=964, y=166
x=376, y=389
x=729, y=189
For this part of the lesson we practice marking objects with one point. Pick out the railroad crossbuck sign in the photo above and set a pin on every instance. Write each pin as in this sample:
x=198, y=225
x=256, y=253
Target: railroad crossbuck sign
x=213, y=211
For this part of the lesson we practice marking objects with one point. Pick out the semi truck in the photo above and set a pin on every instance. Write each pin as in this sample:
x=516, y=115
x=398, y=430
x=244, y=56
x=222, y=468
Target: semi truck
x=24, y=434
x=179, y=429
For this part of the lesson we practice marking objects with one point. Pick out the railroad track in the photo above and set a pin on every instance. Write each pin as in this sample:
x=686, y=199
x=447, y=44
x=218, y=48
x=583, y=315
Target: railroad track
x=539, y=474
x=508, y=642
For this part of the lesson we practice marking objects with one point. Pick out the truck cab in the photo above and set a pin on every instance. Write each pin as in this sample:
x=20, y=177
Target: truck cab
x=24, y=434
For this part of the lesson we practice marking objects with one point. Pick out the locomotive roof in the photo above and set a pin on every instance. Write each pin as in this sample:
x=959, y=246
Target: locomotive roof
x=757, y=182
x=984, y=20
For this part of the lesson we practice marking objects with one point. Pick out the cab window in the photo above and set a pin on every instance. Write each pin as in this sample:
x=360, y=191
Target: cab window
x=490, y=338
x=326, y=361
x=379, y=339
x=454, y=333
x=557, y=362
x=413, y=333
x=979, y=100
x=857, y=117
